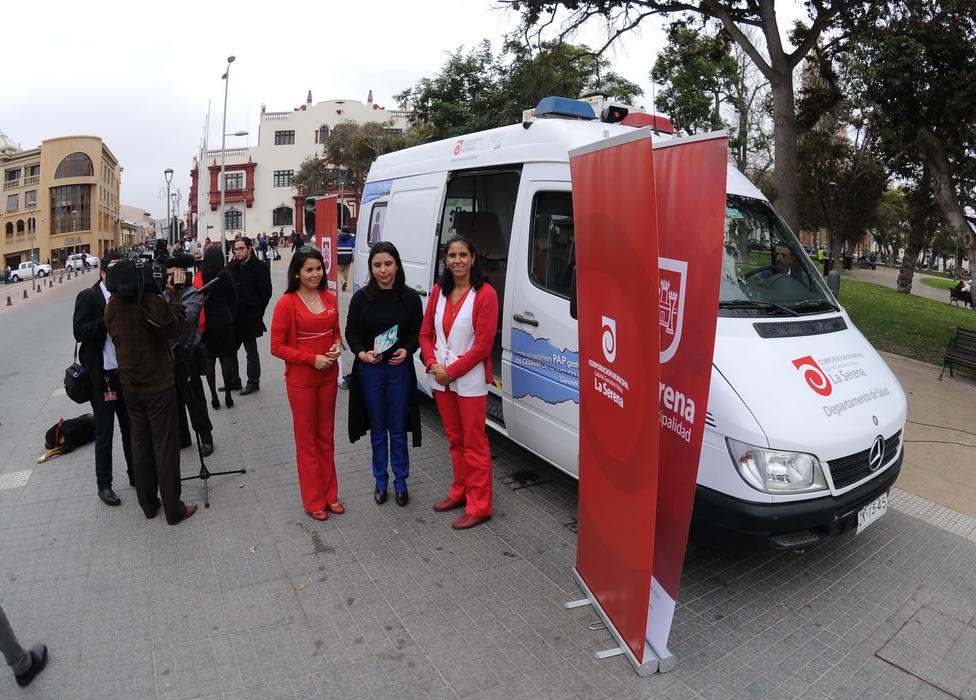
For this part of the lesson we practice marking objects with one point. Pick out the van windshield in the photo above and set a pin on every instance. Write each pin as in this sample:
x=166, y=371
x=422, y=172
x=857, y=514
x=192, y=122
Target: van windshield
x=765, y=270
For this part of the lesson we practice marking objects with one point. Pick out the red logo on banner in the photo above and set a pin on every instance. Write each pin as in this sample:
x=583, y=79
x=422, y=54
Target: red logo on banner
x=609, y=339
x=814, y=375
x=671, y=304
x=457, y=147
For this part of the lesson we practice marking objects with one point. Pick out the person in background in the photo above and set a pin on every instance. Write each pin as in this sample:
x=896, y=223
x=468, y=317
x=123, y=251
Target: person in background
x=456, y=338
x=217, y=326
x=383, y=380
x=25, y=664
x=146, y=373
x=97, y=354
x=345, y=244
x=296, y=242
x=305, y=334
x=188, y=365
x=253, y=280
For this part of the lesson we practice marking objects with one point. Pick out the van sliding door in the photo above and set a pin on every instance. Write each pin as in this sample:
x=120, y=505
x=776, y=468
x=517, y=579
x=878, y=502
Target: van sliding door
x=412, y=214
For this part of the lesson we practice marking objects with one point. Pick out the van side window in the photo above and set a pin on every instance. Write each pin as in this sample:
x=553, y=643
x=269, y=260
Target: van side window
x=376, y=218
x=552, y=255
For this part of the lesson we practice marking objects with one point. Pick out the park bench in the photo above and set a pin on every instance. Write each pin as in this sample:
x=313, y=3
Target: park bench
x=956, y=295
x=961, y=351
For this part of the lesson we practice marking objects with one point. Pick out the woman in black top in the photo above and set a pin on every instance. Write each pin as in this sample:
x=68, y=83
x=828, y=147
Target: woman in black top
x=382, y=327
x=217, y=325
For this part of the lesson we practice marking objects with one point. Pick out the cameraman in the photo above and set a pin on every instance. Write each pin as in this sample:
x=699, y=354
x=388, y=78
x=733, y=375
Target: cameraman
x=141, y=323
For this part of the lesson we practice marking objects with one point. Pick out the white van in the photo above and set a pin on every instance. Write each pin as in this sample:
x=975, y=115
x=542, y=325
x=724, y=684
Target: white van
x=781, y=465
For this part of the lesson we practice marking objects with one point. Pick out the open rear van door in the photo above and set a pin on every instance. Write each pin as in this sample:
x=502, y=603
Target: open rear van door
x=409, y=215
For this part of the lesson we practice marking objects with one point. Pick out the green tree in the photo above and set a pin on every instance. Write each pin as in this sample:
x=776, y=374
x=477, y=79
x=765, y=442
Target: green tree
x=914, y=63
x=699, y=73
x=347, y=156
x=465, y=96
x=480, y=91
x=555, y=68
x=775, y=60
x=840, y=182
x=891, y=227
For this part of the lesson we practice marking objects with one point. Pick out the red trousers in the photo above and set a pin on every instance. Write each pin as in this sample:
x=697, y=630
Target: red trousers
x=464, y=425
x=313, y=416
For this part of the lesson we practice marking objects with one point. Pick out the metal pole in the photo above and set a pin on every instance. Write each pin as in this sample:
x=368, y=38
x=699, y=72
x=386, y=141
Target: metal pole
x=169, y=220
x=30, y=226
x=223, y=154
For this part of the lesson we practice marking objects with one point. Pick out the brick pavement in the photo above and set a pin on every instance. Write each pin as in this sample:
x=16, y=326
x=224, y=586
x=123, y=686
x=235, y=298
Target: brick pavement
x=253, y=599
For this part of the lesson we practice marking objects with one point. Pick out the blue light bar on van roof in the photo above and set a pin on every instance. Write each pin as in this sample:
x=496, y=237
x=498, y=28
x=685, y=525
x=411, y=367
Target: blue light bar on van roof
x=565, y=108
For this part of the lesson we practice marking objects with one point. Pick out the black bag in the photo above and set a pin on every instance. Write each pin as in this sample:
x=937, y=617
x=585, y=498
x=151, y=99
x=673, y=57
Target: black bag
x=77, y=384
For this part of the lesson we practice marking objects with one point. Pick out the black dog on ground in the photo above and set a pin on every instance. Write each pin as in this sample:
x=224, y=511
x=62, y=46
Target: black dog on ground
x=65, y=435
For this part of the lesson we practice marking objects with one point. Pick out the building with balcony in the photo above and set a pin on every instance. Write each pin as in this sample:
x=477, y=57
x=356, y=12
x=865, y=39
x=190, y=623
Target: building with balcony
x=59, y=198
x=258, y=192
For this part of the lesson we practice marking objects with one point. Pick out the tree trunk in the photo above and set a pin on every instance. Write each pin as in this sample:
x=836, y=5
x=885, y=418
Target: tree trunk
x=934, y=155
x=907, y=270
x=784, y=138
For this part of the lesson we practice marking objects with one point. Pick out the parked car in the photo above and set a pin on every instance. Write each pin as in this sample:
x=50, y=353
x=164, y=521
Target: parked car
x=27, y=270
x=76, y=261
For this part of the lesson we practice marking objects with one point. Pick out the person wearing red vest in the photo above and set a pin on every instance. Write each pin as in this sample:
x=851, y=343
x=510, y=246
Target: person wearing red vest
x=456, y=338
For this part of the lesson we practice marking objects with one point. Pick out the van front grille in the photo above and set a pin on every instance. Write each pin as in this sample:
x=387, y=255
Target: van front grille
x=852, y=468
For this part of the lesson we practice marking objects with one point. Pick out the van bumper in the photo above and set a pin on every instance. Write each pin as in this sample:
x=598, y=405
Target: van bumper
x=720, y=518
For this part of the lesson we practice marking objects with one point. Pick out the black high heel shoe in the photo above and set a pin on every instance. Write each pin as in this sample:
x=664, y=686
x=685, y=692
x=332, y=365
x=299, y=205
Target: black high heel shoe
x=228, y=399
x=215, y=402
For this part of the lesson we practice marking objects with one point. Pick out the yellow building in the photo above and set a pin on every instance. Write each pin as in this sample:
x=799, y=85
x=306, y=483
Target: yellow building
x=58, y=199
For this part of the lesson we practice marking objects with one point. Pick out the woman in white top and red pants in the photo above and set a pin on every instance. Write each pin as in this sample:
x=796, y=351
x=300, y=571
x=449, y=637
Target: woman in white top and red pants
x=456, y=338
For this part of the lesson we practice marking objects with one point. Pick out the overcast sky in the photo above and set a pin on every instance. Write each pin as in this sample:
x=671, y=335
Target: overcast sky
x=142, y=76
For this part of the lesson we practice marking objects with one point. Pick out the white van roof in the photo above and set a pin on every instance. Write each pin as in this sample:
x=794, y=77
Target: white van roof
x=542, y=140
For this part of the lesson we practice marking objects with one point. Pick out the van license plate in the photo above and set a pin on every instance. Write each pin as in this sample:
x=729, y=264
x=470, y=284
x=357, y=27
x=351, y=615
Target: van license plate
x=872, y=512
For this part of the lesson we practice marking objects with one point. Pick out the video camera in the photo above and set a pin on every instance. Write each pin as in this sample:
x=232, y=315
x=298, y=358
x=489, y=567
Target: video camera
x=138, y=273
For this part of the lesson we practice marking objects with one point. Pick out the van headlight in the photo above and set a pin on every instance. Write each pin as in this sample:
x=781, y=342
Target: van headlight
x=777, y=471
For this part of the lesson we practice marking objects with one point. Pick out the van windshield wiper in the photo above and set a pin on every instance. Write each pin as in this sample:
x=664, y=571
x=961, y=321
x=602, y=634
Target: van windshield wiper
x=811, y=304
x=754, y=304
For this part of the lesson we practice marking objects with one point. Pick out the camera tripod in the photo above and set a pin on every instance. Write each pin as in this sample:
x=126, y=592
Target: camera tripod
x=205, y=473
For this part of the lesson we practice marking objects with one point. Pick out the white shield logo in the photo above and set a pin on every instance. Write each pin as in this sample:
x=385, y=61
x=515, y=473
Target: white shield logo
x=671, y=304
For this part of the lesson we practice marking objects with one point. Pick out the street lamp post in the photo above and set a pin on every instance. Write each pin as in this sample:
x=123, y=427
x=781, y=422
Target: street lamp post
x=176, y=215
x=168, y=174
x=74, y=230
x=833, y=276
x=30, y=229
x=832, y=190
x=243, y=198
x=223, y=153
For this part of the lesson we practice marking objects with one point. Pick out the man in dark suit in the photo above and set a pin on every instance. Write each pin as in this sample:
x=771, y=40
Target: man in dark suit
x=97, y=354
x=252, y=278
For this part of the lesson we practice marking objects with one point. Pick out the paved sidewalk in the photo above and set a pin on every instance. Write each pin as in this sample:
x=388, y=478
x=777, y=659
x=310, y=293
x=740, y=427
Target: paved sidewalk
x=253, y=599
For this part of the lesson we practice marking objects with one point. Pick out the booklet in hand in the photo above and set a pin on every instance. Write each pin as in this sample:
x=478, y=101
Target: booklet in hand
x=386, y=340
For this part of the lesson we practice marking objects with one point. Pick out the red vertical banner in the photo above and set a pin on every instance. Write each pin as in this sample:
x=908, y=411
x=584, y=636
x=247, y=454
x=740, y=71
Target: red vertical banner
x=617, y=276
x=327, y=235
x=690, y=182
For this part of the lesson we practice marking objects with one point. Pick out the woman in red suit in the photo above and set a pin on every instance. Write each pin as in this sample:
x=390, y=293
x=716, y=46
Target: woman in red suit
x=305, y=334
x=456, y=338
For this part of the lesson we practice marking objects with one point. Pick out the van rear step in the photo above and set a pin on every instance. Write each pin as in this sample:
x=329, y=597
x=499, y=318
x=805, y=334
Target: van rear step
x=495, y=409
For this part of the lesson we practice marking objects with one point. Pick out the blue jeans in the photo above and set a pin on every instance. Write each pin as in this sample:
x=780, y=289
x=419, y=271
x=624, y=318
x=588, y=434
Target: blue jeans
x=386, y=390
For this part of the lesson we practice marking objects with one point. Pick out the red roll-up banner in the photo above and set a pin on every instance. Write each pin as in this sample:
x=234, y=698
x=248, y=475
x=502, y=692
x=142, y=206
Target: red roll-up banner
x=617, y=278
x=327, y=236
x=649, y=223
x=690, y=183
